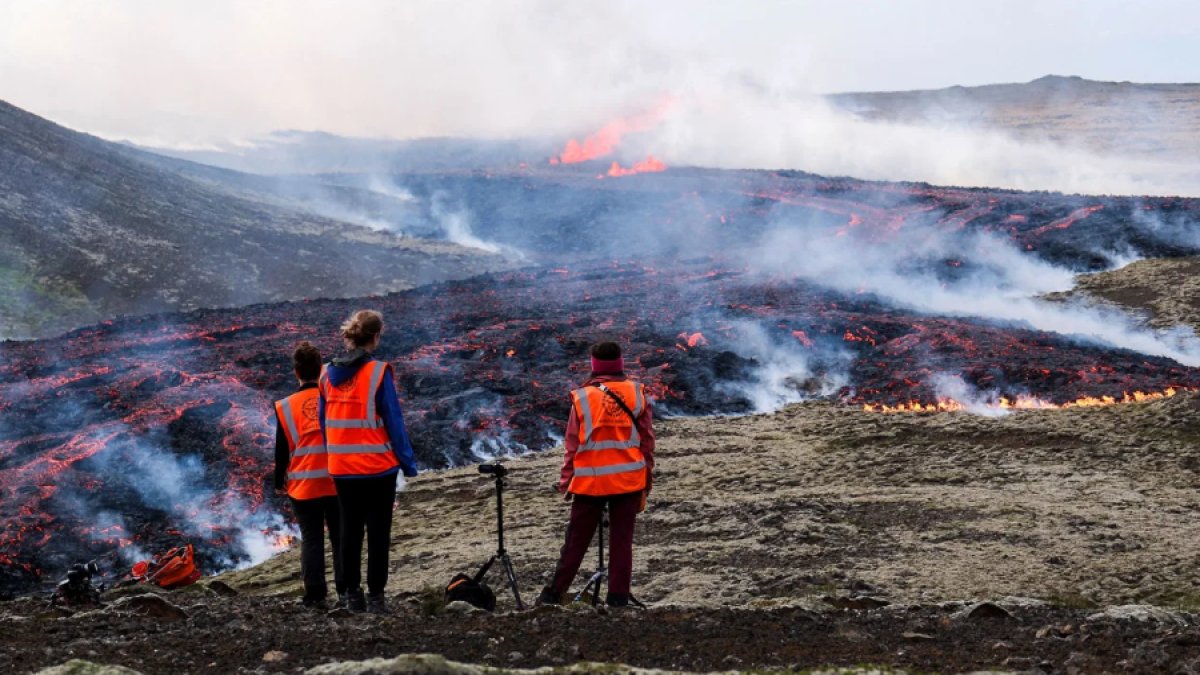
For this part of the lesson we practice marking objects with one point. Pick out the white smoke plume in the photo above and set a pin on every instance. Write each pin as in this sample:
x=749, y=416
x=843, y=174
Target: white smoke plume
x=1004, y=288
x=726, y=124
x=987, y=404
x=454, y=219
x=783, y=374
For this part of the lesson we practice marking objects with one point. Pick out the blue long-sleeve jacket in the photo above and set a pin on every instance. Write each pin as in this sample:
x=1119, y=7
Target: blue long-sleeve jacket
x=387, y=406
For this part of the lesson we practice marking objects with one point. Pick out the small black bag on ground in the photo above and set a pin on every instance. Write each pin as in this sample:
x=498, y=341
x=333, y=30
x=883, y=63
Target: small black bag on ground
x=467, y=589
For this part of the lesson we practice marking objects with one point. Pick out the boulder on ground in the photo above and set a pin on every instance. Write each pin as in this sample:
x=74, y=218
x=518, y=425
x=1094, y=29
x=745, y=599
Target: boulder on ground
x=432, y=664
x=1140, y=613
x=149, y=605
x=221, y=588
x=81, y=667
x=983, y=610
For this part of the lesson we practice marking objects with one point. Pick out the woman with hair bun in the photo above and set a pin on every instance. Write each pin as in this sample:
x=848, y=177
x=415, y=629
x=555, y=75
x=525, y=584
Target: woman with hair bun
x=367, y=445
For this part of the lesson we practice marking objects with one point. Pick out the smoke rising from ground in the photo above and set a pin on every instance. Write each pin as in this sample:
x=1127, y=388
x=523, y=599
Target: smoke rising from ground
x=999, y=282
x=953, y=387
x=728, y=125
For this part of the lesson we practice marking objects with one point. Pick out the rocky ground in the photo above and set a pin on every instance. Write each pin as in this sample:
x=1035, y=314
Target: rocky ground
x=1166, y=289
x=813, y=537
x=820, y=536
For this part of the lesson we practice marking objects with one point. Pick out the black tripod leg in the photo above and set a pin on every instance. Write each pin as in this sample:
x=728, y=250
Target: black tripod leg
x=484, y=570
x=512, y=580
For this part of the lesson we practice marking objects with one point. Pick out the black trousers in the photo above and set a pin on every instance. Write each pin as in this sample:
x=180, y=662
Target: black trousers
x=313, y=516
x=366, y=504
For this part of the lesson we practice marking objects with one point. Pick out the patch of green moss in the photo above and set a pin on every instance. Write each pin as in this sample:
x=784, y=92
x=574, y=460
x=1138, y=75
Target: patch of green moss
x=32, y=305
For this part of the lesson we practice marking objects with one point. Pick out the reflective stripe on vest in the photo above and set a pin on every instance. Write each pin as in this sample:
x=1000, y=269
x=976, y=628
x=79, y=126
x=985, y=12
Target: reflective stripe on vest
x=358, y=440
x=353, y=424
x=609, y=459
x=307, y=473
x=610, y=469
x=359, y=448
x=302, y=475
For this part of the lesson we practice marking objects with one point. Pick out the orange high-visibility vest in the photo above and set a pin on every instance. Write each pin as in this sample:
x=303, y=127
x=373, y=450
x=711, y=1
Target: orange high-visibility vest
x=357, y=440
x=609, y=460
x=308, y=469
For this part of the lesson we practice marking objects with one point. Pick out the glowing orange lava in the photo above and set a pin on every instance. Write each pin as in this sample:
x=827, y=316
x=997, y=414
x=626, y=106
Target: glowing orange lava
x=603, y=142
x=648, y=165
x=690, y=340
x=1024, y=403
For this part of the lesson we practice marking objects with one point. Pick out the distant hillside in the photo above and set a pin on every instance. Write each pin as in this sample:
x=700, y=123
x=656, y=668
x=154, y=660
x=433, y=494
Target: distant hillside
x=91, y=229
x=1144, y=120
x=312, y=152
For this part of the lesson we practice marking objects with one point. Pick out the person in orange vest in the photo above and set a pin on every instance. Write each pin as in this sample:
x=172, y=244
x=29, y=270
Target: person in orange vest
x=368, y=445
x=609, y=461
x=302, y=473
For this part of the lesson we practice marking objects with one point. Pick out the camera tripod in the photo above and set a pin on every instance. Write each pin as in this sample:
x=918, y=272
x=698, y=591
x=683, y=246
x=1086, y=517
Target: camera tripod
x=601, y=573
x=498, y=472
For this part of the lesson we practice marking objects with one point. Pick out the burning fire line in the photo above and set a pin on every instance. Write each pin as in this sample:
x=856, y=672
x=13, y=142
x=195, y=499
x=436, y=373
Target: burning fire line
x=648, y=165
x=1025, y=403
x=604, y=142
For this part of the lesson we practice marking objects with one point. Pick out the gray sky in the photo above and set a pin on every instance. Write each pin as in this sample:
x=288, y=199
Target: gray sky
x=186, y=72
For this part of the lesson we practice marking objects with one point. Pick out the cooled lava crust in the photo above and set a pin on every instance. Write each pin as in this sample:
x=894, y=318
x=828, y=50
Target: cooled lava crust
x=132, y=436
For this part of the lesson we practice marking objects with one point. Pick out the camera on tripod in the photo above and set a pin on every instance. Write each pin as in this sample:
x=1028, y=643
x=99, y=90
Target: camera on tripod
x=77, y=589
x=473, y=589
x=494, y=469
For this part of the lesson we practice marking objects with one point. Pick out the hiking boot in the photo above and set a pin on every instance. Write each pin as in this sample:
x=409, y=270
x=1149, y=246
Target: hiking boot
x=313, y=603
x=548, y=597
x=617, y=600
x=355, y=602
x=376, y=604
x=623, y=600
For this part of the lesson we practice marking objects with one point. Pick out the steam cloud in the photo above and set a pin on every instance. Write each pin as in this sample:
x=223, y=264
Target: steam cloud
x=726, y=124
x=1002, y=284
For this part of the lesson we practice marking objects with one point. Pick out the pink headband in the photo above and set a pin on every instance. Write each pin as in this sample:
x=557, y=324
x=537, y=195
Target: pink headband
x=609, y=366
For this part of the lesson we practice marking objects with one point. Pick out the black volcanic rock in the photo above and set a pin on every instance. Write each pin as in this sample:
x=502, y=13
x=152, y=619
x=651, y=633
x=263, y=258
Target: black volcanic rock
x=90, y=229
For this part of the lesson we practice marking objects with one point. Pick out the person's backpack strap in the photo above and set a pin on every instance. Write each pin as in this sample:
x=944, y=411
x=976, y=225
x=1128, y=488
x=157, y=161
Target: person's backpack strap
x=612, y=394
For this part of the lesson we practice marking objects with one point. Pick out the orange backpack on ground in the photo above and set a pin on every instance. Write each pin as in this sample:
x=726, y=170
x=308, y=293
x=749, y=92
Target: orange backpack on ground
x=173, y=569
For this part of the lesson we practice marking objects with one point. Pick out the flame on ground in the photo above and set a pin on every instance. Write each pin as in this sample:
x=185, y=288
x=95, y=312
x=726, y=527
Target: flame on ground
x=1024, y=403
x=648, y=165
x=603, y=142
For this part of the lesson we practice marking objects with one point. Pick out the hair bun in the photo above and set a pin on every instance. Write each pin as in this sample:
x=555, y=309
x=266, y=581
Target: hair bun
x=362, y=327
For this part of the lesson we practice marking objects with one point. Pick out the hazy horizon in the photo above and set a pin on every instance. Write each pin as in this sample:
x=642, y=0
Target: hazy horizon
x=175, y=73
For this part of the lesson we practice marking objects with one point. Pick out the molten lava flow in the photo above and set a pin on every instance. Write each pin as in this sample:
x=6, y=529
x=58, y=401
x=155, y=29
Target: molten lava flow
x=604, y=142
x=648, y=165
x=1026, y=402
x=692, y=340
x=1063, y=223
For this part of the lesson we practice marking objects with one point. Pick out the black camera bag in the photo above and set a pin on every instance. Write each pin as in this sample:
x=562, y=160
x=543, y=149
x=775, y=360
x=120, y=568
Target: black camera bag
x=467, y=589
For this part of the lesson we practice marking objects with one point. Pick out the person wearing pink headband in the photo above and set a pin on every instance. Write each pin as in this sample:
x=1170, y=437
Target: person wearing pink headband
x=608, y=463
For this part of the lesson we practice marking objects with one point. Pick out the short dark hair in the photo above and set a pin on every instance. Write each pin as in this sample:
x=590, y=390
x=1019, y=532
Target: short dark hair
x=307, y=361
x=606, y=351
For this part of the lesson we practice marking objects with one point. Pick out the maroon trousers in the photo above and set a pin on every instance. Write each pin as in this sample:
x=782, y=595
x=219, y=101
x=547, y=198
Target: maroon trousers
x=581, y=529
